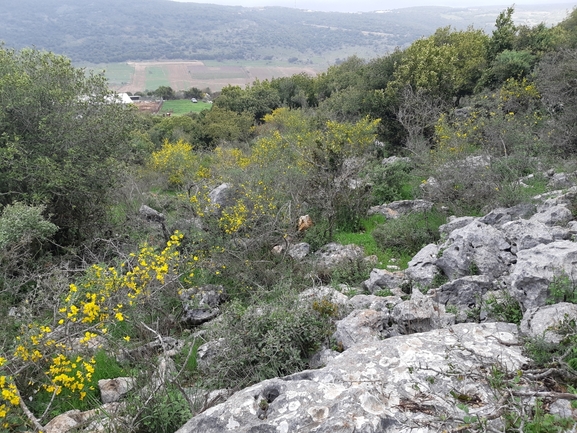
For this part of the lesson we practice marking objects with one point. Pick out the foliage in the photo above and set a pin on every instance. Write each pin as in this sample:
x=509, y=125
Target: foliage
x=266, y=339
x=409, y=233
x=20, y=225
x=61, y=138
x=175, y=160
x=562, y=289
x=504, y=309
x=446, y=65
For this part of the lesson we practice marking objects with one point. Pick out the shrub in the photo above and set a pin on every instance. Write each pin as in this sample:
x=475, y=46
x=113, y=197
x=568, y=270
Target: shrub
x=270, y=338
x=409, y=233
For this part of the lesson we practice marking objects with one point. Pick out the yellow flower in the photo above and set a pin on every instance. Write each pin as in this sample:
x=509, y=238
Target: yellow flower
x=127, y=338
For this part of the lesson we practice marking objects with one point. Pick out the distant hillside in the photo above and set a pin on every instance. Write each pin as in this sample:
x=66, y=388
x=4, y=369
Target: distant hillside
x=119, y=30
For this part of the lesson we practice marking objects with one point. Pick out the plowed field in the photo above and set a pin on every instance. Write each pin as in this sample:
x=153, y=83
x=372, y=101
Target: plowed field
x=186, y=74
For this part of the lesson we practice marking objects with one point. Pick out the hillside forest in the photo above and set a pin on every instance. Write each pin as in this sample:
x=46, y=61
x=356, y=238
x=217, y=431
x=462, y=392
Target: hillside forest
x=111, y=219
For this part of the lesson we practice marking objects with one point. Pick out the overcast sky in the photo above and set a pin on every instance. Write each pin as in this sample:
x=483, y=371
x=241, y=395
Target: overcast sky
x=372, y=5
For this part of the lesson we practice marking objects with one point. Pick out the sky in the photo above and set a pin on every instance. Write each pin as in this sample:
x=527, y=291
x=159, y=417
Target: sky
x=373, y=5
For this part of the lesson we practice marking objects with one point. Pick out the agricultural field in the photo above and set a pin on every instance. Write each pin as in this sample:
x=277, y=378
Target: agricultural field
x=182, y=75
x=179, y=107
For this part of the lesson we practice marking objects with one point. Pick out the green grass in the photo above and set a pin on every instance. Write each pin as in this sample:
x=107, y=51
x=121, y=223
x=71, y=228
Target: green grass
x=179, y=107
x=156, y=76
x=365, y=239
x=117, y=74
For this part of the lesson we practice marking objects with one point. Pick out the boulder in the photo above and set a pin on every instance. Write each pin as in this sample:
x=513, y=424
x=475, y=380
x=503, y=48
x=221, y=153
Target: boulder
x=525, y=234
x=299, y=251
x=475, y=249
x=220, y=197
x=201, y=304
x=361, y=326
x=383, y=279
x=543, y=322
x=455, y=223
x=402, y=207
x=422, y=268
x=536, y=268
x=465, y=292
x=373, y=302
x=325, y=292
x=419, y=314
x=95, y=420
x=402, y=384
x=112, y=390
x=553, y=215
x=334, y=255
x=151, y=214
x=500, y=216
x=322, y=358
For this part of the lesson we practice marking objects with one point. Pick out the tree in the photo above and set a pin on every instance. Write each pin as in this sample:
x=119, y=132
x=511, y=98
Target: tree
x=62, y=137
x=503, y=37
x=446, y=65
x=193, y=92
x=164, y=92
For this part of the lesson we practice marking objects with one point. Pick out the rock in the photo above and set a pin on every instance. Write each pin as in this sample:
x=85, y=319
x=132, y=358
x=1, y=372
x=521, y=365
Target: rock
x=465, y=292
x=398, y=385
x=220, y=197
x=500, y=216
x=112, y=390
x=373, y=302
x=402, y=207
x=419, y=314
x=456, y=223
x=322, y=358
x=325, y=292
x=561, y=181
x=208, y=351
x=391, y=160
x=542, y=322
x=305, y=222
x=554, y=215
x=151, y=214
x=422, y=267
x=299, y=251
x=99, y=420
x=529, y=280
x=334, y=255
x=361, y=326
x=201, y=304
x=525, y=234
x=475, y=249
x=383, y=279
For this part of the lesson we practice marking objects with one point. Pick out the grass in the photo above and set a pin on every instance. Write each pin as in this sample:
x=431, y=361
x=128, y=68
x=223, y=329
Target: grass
x=117, y=74
x=179, y=107
x=156, y=76
x=365, y=239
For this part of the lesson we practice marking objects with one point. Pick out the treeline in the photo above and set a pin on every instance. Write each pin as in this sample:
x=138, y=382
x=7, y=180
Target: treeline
x=116, y=31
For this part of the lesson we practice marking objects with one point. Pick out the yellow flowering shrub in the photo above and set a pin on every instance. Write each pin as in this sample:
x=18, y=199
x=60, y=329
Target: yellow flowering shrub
x=175, y=160
x=51, y=360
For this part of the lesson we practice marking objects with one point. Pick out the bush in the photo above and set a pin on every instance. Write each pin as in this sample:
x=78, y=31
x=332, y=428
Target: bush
x=409, y=233
x=270, y=338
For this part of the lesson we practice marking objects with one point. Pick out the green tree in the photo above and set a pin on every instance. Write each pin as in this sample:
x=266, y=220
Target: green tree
x=62, y=137
x=503, y=37
x=164, y=92
x=447, y=64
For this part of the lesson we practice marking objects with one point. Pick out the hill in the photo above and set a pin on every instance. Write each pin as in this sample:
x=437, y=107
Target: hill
x=121, y=30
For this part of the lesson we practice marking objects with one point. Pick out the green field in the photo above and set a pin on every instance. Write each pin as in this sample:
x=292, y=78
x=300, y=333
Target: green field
x=156, y=76
x=183, y=106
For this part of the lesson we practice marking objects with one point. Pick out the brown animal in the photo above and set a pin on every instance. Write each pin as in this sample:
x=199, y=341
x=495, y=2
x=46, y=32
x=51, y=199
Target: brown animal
x=305, y=223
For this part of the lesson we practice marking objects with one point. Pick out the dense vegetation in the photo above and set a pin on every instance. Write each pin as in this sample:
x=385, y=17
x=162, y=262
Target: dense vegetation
x=117, y=31
x=83, y=278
